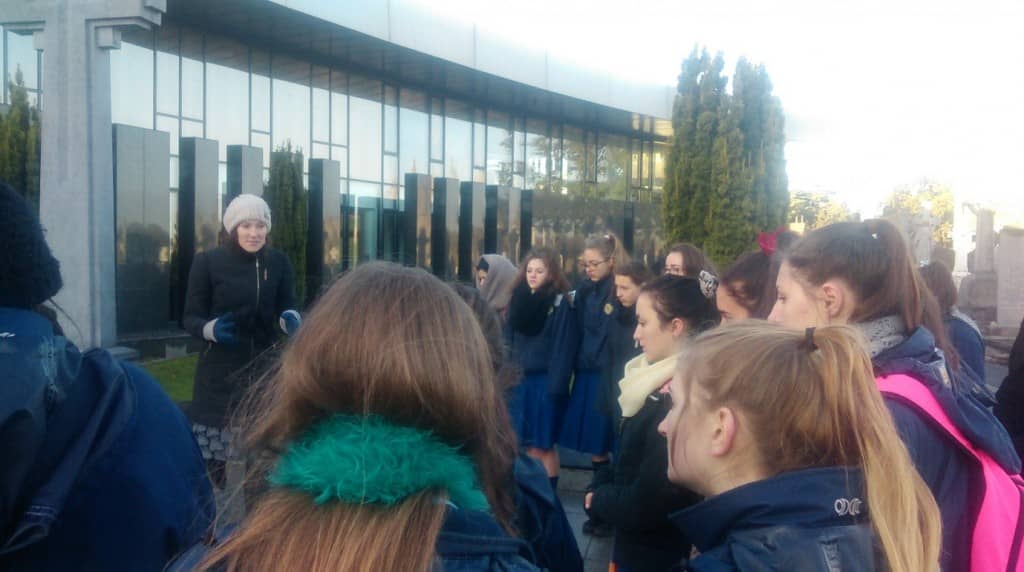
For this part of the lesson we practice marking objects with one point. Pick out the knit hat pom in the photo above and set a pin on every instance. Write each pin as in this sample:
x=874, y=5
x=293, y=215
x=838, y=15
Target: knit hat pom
x=243, y=208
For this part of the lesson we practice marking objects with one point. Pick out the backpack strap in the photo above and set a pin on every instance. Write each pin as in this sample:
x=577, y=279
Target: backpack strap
x=999, y=524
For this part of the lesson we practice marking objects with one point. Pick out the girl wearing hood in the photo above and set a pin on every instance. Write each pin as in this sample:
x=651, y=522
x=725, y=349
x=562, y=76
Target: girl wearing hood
x=494, y=277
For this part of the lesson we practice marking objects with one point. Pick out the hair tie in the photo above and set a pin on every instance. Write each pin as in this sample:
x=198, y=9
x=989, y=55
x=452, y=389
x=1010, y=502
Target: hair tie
x=769, y=241
x=366, y=460
x=809, y=339
x=708, y=284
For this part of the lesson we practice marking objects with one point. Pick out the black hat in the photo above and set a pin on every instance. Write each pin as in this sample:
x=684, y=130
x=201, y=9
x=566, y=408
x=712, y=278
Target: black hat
x=29, y=274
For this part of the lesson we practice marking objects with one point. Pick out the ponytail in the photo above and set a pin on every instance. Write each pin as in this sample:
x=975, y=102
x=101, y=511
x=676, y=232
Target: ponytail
x=873, y=259
x=609, y=246
x=811, y=401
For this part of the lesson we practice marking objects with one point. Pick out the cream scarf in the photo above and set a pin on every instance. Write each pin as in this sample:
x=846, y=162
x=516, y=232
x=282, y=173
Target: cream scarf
x=641, y=379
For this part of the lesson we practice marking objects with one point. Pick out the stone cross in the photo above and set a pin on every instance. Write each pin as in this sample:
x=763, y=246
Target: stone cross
x=76, y=175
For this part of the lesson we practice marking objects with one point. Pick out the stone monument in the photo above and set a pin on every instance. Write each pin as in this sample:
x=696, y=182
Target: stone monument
x=1010, y=282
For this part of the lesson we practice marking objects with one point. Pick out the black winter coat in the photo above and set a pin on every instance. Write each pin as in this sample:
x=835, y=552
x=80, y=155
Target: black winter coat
x=255, y=289
x=636, y=497
x=620, y=347
x=1010, y=397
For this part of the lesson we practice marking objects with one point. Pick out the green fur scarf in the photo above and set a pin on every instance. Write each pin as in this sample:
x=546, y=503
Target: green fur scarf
x=366, y=460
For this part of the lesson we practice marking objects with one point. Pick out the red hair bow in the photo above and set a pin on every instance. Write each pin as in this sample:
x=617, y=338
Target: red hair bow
x=768, y=240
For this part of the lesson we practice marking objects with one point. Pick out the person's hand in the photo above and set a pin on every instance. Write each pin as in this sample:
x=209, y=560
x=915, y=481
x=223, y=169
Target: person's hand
x=224, y=330
x=587, y=500
x=290, y=321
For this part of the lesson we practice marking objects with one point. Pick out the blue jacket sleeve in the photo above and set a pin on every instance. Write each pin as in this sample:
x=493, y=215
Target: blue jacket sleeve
x=565, y=336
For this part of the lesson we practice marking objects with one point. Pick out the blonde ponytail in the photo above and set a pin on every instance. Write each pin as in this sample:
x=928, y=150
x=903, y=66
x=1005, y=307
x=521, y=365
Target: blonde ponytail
x=811, y=401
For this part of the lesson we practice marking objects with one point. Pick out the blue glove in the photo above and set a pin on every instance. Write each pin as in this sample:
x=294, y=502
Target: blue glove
x=224, y=330
x=290, y=321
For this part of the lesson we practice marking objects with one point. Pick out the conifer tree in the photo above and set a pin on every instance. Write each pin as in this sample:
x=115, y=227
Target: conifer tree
x=287, y=200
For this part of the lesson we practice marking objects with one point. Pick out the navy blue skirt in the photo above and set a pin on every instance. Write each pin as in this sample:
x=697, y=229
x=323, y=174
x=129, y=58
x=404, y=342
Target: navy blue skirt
x=585, y=428
x=536, y=415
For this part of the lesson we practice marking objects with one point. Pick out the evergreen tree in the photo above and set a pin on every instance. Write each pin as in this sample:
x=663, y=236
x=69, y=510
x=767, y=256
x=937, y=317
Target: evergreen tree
x=726, y=169
x=287, y=200
x=20, y=142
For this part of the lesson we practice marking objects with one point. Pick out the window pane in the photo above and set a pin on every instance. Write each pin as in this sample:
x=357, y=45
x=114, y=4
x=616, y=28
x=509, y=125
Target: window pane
x=262, y=140
x=537, y=150
x=260, y=113
x=131, y=85
x=365, y=148
x=290, y=119
x=21, y=55
x=169, y=125
x=339, y=108
x=321, y=104
x=191, y=75
x=479, y=144
x=363, y=210
x=612, y=166
x=573, y=159
x=499, y=149
x=436, y=131
x=414, y=134
x=227, y=93
x=458, y=143
x=391, y=169
x=191, y=128
x=390, y=120
x=340, y=154
x=321, y=151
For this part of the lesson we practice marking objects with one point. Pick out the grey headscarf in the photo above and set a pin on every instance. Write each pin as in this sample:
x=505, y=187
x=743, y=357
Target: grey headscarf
x=497, y=287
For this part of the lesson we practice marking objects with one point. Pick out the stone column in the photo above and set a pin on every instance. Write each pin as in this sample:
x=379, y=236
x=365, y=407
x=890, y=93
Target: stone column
x=984, y=253
x=76, y=175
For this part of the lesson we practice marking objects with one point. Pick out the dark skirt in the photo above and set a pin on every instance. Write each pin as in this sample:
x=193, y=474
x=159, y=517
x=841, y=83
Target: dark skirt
x=536, y=415
x=585, y=428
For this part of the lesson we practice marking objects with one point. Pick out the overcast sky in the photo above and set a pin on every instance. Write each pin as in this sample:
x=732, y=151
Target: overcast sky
x=877, y=93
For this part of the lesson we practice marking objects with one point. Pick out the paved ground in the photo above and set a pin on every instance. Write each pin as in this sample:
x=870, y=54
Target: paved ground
x=596, y=551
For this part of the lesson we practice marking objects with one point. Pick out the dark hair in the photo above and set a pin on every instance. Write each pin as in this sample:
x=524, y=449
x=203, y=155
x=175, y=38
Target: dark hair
x=550, y=259
x=490, y=324
x=873, y=259
x=939, y=280
x=635, y=271
x=694, y=259
x=681, y=297
x=751, y=279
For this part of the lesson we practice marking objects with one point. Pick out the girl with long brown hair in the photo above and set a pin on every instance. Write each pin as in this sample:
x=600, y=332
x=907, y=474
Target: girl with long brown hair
x=862, y=274
x=787, y=437
x=384, y=439
x=535, y=313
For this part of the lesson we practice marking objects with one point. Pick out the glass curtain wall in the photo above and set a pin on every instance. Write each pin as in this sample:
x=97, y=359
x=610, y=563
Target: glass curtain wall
x=188, y=82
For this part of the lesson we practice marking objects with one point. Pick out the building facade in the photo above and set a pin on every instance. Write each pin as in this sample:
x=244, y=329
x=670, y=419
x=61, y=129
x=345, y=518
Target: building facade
x=369, y=94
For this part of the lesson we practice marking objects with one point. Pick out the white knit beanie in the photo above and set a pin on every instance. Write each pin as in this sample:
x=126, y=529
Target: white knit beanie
x=246, y=207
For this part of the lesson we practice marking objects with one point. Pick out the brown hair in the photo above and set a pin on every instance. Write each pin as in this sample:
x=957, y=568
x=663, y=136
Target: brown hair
x=873, y=259
x=810, y=400
x=694, y=259
x=939, y=280
x=635, y=271
x=682, y=297
x=389, y=341
x=609, y=246
x=550, y=259
x=747, y=281
x=490, y=325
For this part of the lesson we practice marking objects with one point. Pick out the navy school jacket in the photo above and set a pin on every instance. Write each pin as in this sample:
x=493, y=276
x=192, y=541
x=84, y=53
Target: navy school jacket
x=810, y=520
x=595, y=311
x=553, y=350
x=98, y=468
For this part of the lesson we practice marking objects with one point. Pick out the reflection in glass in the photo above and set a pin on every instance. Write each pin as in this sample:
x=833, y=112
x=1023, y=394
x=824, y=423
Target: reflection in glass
x=339, y=108
x=290, y=117
x=479, y=142
x=365, y=151
x=499, y=149
x=661, y=151
x=362, y=208
x=390, y=120
x=391, y=170
x=191, y=74
x=22, y=55
x=612, y=166
x=167, y=69
x=259, y=115
x=573, y=160
x=436, y=130
x=262, y=140
x=321, y=104
x=227, y=94
x=170, y=125
x=458, y=142
x=131, y=85
x=191, y=128
x=563, y=222
x=414, y=144
x=538, y=148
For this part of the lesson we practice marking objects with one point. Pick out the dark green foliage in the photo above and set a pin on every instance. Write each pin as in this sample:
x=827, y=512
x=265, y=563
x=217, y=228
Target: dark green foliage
x=727, y=173
x=287, y=199
x=20, y=142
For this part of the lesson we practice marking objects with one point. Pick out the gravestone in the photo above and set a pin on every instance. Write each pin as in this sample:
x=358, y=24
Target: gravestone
x=1010, y=282
x=978, y=290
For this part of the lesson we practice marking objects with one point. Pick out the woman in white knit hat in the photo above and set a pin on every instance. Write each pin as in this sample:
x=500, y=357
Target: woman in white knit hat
x=241, y=300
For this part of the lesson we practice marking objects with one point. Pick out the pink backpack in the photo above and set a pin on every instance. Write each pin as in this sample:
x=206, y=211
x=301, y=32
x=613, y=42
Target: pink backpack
x=999, y=523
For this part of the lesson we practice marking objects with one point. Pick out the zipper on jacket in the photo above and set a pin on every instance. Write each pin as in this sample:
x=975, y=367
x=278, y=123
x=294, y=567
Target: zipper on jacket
x=252, y=341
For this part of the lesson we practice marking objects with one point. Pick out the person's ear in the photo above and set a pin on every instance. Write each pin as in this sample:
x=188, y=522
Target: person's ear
x=837, y=301
x=678, y=327
x=723, y=435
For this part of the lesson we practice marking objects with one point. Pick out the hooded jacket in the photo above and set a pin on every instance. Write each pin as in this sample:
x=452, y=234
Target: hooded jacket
x=99, y=470
x=811, y=520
